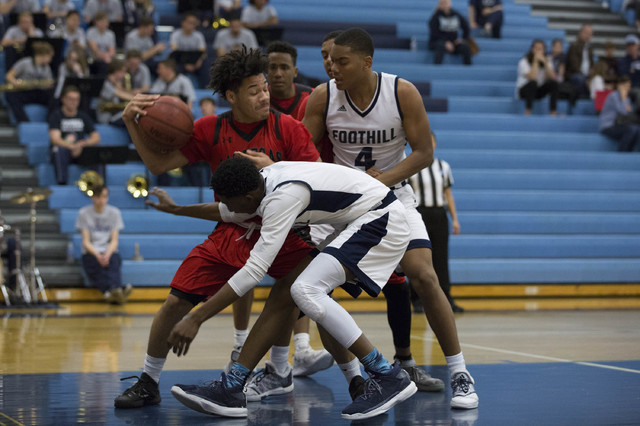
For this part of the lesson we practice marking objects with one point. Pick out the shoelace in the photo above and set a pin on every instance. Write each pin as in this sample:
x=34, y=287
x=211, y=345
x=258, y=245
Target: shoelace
x=138, y=388
x=371, y=387
x=460, y=383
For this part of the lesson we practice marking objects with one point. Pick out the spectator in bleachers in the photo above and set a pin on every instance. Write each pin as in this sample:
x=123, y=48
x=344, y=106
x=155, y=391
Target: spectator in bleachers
x=71, y=31
x=21, y=6
x=74, y=65
x=207, y=106
x=566, y=90
x=629, y=65
x=70, y=131
x=536, y=78
x=486, y=14
x=139, y=73
x=612, y=63
x=9, y=248
x=444, y=28
x=57, y=10
x=259, y=14
x=234, y=37
x=188, y=38
x=136, y=10
x=170, y=82
x=580, y=60
x=635, y=6
x=15, y=38
x=618, y=119
x=227, y=8
x=114, y=95
x=102, y=44
x=596, y=81
x=141, y=39
x=113, y=9
x=100, y=225
x=34, y=74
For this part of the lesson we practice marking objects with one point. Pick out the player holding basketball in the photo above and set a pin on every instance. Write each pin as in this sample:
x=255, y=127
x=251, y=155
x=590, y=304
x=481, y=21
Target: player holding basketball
x=369, y=117
x=250, y=125
x=286, y=97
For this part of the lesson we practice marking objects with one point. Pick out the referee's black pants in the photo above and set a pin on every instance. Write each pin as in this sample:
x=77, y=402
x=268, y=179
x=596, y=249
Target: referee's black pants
x=437, y=222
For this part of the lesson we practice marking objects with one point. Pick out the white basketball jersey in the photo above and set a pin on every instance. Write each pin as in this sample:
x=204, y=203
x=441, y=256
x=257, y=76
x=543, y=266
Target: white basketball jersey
x=370, y=138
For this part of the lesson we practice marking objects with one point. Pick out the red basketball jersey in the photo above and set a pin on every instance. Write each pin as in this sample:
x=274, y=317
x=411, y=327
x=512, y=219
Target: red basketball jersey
x=215, y=138
x=293, y=106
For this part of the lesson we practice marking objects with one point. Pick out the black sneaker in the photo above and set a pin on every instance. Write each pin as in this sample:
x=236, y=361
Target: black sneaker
x=381, y=392
x=213, y=399
x=356, y=387
x=144, y=392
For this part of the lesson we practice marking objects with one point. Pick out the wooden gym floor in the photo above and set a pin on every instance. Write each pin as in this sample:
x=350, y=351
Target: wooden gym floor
x=560, y=362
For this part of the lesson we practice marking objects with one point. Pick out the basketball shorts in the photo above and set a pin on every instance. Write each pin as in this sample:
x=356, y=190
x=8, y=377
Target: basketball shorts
x=419, y=234
x=210, y=265
x=371, y=246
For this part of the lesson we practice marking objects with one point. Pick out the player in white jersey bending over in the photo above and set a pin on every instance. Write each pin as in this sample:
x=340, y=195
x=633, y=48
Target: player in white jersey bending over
x=369, y=117
x=372, y=234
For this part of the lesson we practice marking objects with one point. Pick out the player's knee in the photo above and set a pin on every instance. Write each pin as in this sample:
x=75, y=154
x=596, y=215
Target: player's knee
x=306, y=298
x=424, y=280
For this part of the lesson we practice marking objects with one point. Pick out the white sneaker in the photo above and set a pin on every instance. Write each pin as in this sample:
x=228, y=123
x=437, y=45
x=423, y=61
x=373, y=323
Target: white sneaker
x=267, y=382
x=235, y=354
x=464, y=393
x=308, y=362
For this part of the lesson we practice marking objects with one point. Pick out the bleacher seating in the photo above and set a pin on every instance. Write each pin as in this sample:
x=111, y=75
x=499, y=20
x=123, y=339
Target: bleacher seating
x=541, y=199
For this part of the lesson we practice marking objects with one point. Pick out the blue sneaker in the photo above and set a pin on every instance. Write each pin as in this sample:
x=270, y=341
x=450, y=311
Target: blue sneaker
x=381, y=392
x=212, y=399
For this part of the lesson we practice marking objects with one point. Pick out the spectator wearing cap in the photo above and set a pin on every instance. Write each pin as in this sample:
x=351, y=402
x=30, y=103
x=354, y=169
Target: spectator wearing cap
x=580, y=60
x=618, y=120
x=629, y=65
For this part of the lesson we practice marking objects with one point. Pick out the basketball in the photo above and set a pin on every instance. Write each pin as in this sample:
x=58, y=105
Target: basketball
x=167, y=125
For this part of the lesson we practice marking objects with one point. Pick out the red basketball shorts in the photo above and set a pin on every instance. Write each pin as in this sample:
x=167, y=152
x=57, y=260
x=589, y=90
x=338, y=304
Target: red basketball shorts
x=210, y=265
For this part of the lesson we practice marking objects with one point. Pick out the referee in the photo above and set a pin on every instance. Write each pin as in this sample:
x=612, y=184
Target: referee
x=432, y=186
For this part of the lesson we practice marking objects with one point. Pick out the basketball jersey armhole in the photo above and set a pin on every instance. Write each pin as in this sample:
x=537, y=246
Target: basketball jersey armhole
x=276, y=125
x=326, y=107
x=395, y=93
x=216, y=132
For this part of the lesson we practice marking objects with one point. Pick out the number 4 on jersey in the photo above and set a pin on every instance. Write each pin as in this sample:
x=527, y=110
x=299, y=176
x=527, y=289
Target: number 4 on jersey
x=365, y=158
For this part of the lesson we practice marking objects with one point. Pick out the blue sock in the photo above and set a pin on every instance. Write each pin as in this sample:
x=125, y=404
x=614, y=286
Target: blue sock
x=375, y=362
x=237, y=376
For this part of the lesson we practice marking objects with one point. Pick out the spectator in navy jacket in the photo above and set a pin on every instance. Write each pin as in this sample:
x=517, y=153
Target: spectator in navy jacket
x=618, y=120
x=486, y=14
x=445, y=26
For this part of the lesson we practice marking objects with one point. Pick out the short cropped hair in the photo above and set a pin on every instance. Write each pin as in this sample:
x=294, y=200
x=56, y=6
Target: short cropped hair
x=169, y=63
x=133, y=53
x=283, y=47
x=68, y=89
x=115, y=65
x=235, y=176
x=207, y=99
x=332, y=35
x=357, y=39
x=100, y=15
x=97, y=190
x=229, y=71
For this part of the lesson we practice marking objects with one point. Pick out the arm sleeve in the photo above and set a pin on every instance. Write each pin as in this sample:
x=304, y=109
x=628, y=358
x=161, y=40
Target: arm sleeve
x=197, y=149
x=280, y=213
x=81, y=221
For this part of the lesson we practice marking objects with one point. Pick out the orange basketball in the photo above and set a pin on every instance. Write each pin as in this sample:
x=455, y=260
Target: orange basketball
x=167, y=125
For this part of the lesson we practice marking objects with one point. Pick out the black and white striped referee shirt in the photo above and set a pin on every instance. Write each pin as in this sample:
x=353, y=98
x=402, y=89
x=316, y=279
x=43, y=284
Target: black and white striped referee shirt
x=429, y=184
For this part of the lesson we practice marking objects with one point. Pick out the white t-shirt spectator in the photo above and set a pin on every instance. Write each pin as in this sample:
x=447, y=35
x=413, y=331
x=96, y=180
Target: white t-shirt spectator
x=113, y=8
x=100, y=225
x=251, y=15
x=103, y=40
x=194, y=41
x=523, y=69
x=225, y=40
x=57, y=6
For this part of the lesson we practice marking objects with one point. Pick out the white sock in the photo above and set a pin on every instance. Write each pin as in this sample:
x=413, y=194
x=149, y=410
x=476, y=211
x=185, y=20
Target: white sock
x=351, y=369
x=301, y=342
x=456, y=363
x=153, y=367
x=239, y=337
x=280, y=358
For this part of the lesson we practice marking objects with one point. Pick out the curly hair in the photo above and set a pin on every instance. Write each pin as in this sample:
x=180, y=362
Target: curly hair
x=280, y=46
x=235, y=176
x=230, y=70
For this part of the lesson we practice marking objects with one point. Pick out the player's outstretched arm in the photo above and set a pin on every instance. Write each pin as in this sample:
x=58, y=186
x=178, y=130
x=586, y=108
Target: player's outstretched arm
x=156, y=163
x=418, y=133
x=314, y=113
x=206, y=211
